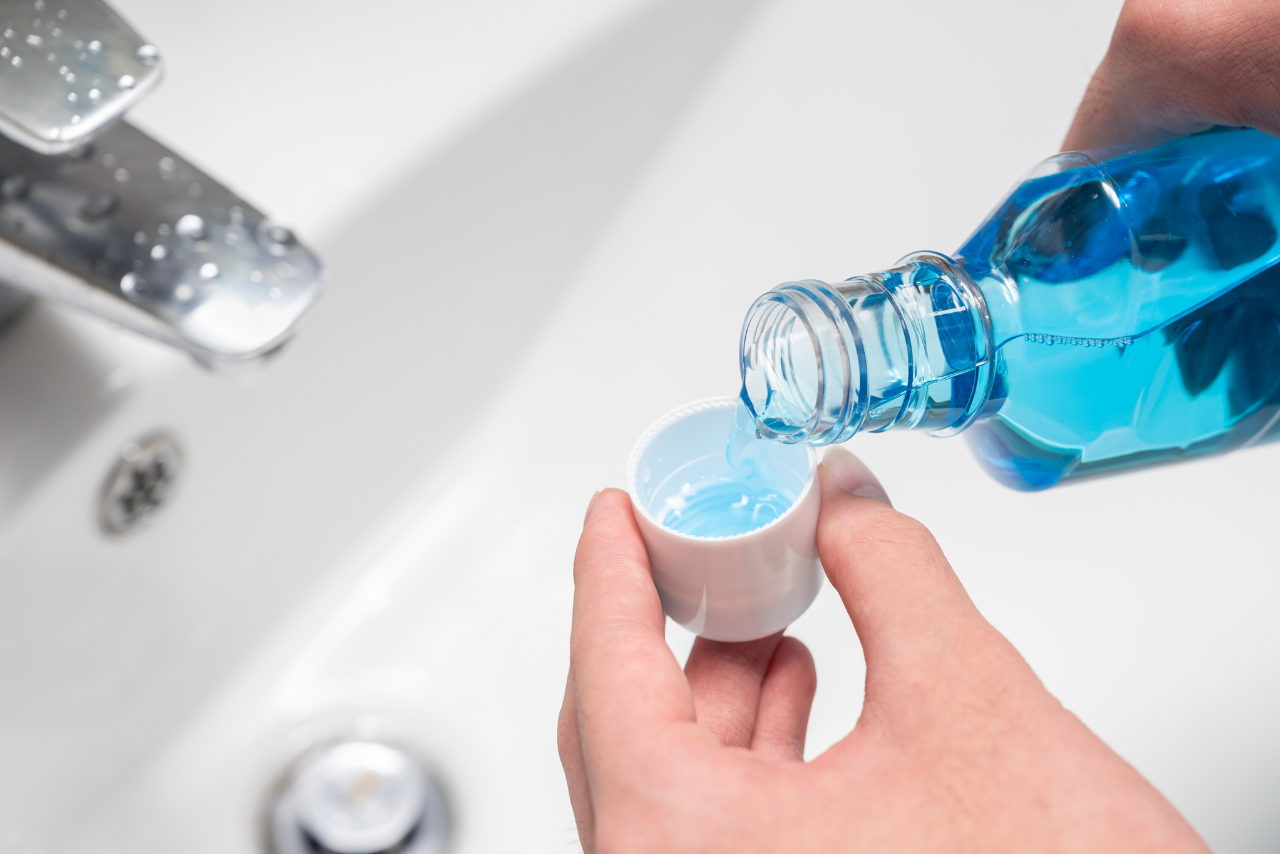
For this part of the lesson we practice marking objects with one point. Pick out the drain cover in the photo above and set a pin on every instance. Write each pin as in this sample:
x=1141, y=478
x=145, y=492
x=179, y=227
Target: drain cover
x=140, y=484
x=359, y=797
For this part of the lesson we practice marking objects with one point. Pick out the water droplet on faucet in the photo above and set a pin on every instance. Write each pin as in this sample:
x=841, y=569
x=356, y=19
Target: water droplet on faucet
x=95, y=95
x=95, y=46
x=158, y=251
x=279, y=234
x=209, y=270
x=34, y=40
x=126, y=82
x=275, y=237
x=148, y=54
x=17, y=62
x=192, y=227
x=183, y=292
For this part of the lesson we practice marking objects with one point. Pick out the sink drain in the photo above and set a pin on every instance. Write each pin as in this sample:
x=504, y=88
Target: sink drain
x=359, y=797
x=140, y=484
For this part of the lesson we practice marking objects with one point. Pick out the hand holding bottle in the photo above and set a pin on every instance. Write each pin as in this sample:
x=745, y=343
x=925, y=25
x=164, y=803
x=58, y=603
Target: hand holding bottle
x=1178, y=67
x=959, y=747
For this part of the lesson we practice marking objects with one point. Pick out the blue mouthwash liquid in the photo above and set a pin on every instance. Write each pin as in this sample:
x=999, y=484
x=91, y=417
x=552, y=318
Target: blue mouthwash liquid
x=1118, y=308
x=731, y=493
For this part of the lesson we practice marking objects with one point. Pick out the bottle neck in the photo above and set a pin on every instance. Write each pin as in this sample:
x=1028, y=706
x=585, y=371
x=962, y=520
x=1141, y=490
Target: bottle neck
x=905, y=348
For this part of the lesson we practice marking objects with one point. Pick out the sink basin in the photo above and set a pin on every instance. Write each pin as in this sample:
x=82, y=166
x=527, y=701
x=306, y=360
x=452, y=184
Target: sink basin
x=542, y=227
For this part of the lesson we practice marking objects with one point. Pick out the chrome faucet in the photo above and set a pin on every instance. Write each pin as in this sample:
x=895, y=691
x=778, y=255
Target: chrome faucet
x=95, y=213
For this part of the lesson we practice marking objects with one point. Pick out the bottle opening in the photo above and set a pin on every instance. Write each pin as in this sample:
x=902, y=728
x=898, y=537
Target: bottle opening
x=899, y=349
x=803, y=366
x=782, y=379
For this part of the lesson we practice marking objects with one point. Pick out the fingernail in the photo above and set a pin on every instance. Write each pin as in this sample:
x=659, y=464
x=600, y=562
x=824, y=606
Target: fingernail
x=851, y=475
x=591, y=506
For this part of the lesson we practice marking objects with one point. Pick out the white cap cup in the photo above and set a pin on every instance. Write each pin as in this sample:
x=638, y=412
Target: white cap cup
x=734, y=588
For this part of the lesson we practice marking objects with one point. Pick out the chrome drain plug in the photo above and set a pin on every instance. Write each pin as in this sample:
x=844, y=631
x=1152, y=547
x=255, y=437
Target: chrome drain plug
x=359, y=797
x=140, y=484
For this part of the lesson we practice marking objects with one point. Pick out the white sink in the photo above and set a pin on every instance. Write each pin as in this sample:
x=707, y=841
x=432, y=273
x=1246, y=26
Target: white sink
x=543, y=224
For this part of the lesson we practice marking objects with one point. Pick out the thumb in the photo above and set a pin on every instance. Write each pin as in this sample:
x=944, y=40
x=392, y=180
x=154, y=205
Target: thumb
x=907, y=605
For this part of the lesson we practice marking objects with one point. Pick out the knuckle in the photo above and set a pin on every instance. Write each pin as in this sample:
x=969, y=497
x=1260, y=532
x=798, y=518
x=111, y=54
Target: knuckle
x=881, y=536
x=1211, y=61
x=897, y=530
x=606, y=550
x=1148, y=29
x=1200, y=40
x=794, y=650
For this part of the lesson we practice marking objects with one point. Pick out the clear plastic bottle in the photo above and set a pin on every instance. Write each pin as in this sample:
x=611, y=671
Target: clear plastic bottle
x=1118, y=308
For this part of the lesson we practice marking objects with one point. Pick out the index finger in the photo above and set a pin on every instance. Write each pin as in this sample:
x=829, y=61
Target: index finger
x=626, y=680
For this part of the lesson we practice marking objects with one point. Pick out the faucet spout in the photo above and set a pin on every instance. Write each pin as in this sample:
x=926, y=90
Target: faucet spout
x=128, y=230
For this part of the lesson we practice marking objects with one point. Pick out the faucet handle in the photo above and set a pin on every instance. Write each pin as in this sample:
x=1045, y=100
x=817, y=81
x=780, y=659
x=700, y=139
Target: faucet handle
x=68, y=70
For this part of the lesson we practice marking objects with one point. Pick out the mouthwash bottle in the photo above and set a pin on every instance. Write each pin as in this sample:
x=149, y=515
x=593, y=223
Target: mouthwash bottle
x=1119, y=308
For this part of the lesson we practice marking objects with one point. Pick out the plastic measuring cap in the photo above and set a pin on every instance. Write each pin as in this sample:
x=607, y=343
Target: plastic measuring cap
x=732, y=588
